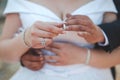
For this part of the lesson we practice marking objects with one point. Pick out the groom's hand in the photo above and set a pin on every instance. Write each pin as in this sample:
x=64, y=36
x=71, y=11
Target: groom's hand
x=33, y=60
x=85, y=28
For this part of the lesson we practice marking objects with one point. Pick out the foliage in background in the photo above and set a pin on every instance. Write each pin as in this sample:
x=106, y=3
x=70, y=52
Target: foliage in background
x=2, y=6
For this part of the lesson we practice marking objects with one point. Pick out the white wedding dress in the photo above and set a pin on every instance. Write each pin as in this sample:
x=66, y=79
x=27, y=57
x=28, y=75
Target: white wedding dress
x=30, y=12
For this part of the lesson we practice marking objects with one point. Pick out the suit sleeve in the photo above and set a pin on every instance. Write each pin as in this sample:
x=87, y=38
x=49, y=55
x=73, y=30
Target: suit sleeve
x=112, y=30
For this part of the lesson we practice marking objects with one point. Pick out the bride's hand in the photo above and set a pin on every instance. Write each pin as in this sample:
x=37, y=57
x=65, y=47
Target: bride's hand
x=40, y=34
x=66, y=54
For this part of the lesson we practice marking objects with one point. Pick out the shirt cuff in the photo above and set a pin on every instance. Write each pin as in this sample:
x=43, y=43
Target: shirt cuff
x=106, y=40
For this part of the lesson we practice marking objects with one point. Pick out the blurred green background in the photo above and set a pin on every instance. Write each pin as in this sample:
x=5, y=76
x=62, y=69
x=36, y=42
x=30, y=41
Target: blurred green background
x=2, y=6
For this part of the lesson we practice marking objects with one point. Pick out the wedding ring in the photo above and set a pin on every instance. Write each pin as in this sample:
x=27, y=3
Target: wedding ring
x=43, y=42
x=64, y=26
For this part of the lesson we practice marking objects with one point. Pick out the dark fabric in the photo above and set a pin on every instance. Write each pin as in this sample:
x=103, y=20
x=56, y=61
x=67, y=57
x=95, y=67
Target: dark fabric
x=112, y=30
x=117, y=4
x=113, y=73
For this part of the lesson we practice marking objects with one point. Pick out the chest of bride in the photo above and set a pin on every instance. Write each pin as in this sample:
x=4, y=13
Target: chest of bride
x=69, y=36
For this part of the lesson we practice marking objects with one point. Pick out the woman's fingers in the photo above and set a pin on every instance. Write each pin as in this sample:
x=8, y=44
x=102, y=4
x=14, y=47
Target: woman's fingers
x=56, y=45
x=48, y=27
x=59, y=25
x=41, y=42
x=43, y=34
x=43, y=30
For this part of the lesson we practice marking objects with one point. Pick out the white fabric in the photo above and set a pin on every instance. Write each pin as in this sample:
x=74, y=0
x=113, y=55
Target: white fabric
x=106, y=40
x=31, y=12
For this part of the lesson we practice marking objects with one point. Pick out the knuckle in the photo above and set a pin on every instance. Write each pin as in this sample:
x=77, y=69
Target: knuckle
x=85, y=16
x=49, y=41
x=71, y=27
x=50, y=29
x=37, y=23
x=74, y=16
x=90, y=24
x=33, y=32
x=77, y=21
x=50, y=35
x=33, y=39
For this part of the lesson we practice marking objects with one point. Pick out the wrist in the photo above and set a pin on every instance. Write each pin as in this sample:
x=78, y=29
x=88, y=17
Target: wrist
x=26, y=37
x=88, y=56
x=101, y=36
x=82, y=56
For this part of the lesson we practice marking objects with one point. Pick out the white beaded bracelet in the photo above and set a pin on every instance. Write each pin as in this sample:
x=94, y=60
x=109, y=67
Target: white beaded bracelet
x=23, y=35
x=88, y=56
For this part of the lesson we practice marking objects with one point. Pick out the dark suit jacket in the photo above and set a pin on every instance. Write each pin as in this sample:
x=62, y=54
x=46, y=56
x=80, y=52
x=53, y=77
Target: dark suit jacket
x=112, y=30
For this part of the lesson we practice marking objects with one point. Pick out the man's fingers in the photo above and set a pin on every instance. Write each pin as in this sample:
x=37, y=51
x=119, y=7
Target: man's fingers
x=84, y=34
x=59, y=25
x=76, y=16
x=68, y=15
x=82, y=17
x=79, y=28
x=86, y=29
x=33, y=65
x=33, y=58
x=76, y=22
x=74, y=28
x=39, y=52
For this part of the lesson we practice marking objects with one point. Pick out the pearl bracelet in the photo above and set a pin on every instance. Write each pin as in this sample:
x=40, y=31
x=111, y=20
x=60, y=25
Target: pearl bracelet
x=26, y=43
x=88, y=56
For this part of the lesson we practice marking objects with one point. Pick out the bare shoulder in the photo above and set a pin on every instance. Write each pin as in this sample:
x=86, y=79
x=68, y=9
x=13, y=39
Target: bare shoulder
x=109, y=17
x=11, y=25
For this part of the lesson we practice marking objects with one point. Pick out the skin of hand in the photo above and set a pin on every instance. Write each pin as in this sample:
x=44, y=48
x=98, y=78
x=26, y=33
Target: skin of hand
x=42, y=30
x=33, y=59
x=66, y=54
x=99, y=59
x=85, y=28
